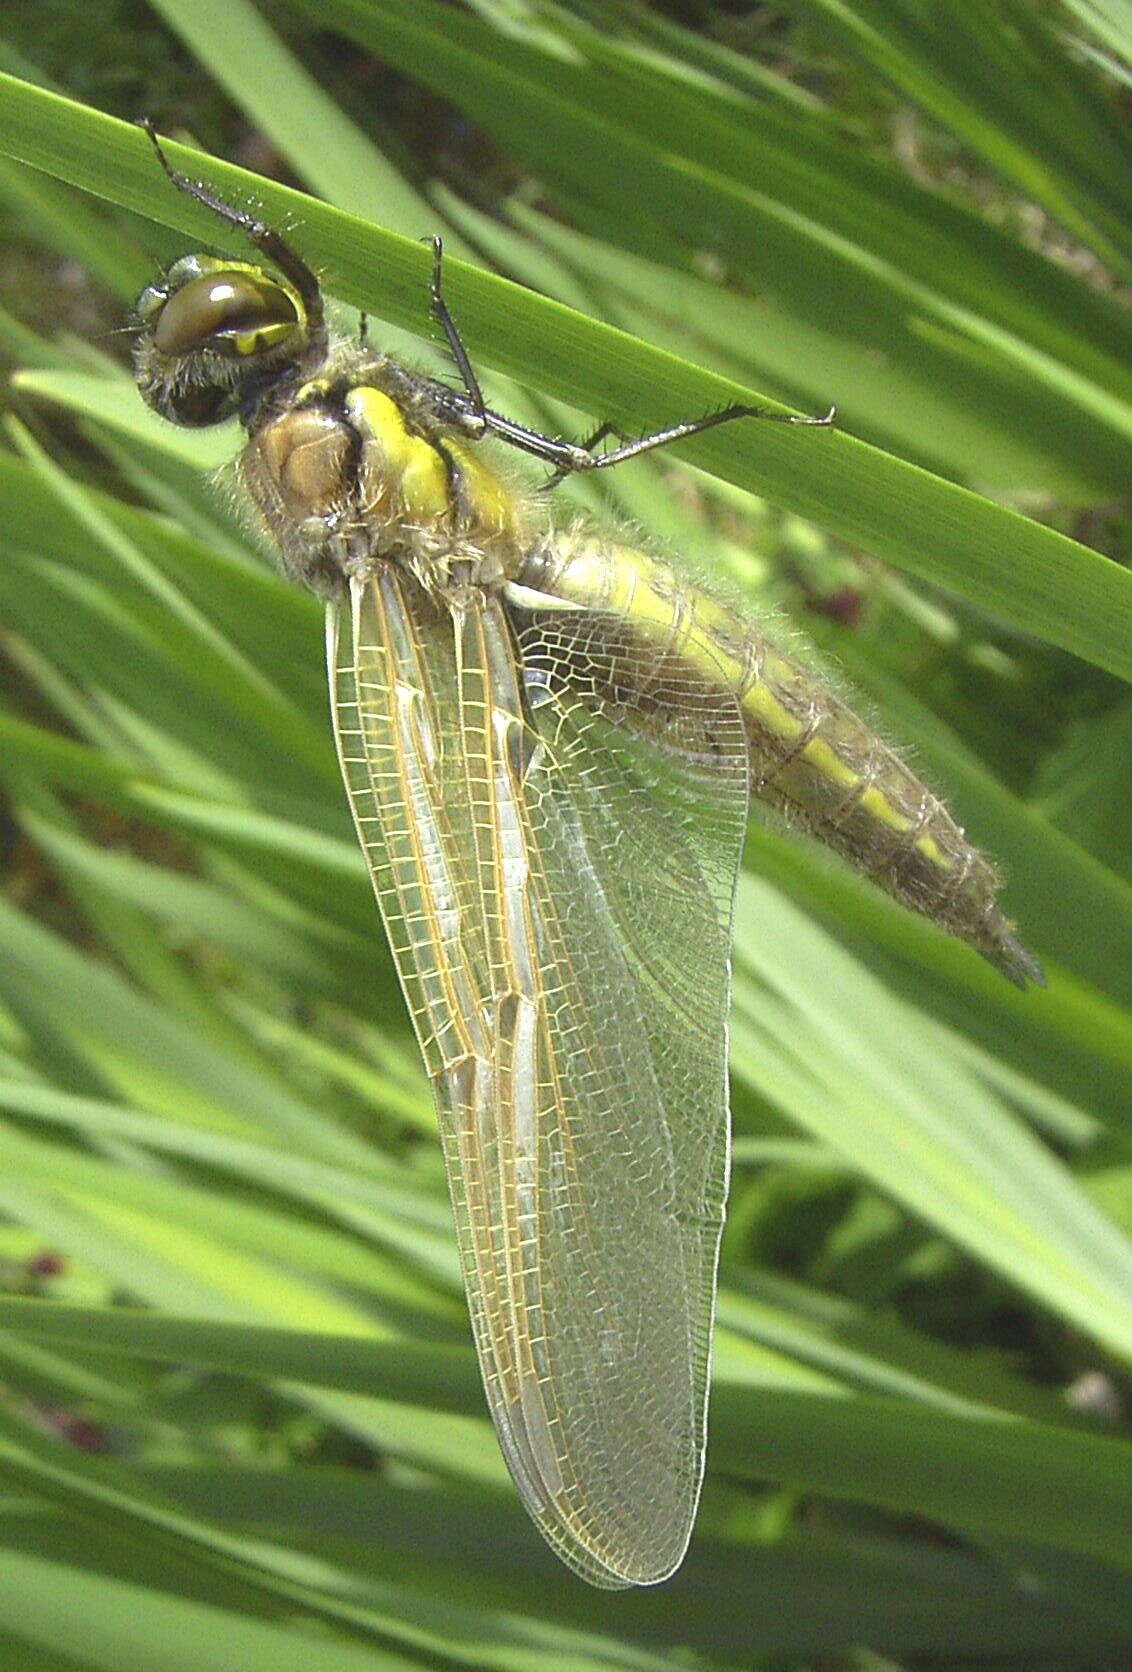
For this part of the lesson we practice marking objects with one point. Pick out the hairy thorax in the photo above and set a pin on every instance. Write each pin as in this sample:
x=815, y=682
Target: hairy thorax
x=357, y=467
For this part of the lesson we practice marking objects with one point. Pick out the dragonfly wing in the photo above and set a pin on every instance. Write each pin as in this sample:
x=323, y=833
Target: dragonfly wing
x=556, y=864
x=640, y=818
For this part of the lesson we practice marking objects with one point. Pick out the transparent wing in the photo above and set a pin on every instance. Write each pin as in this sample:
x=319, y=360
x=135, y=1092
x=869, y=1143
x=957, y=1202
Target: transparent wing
x=553, y=819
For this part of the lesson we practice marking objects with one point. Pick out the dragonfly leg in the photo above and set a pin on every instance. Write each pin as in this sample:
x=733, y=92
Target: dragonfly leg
x=476, y=410
x=566, y=457
x=661, y=438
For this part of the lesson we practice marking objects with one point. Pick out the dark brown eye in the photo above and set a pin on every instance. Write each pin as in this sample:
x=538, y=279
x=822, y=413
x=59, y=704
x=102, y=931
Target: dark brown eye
x=212, y=332
x=229, y=311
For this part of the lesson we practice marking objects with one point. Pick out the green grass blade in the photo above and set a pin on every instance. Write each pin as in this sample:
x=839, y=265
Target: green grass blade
x=1072, y=597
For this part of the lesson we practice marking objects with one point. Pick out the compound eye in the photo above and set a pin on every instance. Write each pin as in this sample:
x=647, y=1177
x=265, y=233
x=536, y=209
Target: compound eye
x=233, y=312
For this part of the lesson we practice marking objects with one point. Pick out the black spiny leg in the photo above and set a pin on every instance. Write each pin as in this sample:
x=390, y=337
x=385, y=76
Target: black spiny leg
x=566, y=457
x=674, y=432
x=476, y=410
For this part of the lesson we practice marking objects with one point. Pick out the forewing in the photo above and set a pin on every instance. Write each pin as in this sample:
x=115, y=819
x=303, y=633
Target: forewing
x=555, y=846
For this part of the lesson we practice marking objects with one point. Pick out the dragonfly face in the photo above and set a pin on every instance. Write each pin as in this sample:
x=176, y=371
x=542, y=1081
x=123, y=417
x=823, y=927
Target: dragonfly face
x=212, y=332
x=548, y=742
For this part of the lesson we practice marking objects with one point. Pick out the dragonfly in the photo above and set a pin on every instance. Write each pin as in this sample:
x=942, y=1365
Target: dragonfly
x=549, y=738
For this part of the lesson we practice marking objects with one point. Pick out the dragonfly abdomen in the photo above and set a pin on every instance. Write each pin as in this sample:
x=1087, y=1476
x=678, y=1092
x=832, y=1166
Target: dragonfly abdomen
x=827, y=770
x=810, y=755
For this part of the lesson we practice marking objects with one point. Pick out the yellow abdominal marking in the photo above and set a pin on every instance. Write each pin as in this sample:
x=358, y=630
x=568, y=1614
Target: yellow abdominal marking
x=762, y=702
x=629, y=586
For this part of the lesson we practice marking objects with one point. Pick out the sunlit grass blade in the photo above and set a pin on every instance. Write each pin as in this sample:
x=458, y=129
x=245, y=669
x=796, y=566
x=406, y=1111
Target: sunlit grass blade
x=1072, y=597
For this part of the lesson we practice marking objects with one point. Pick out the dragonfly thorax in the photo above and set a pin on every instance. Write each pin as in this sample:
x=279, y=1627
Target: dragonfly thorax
x=351, y=459
x=354, y=470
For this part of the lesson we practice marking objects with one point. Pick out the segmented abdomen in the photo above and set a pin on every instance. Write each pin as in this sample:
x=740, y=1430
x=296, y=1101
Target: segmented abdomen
x=810, y=754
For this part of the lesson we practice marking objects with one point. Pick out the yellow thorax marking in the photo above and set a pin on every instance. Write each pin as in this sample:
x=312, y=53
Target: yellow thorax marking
x=414, y=465
x=490, y=503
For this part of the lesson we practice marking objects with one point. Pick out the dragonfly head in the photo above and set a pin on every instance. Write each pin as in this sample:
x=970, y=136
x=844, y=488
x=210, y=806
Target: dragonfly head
x=211, y=334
